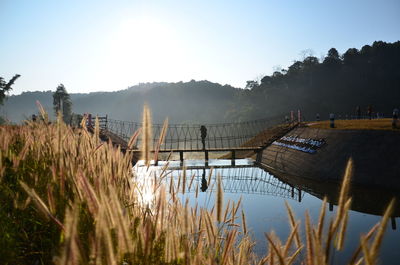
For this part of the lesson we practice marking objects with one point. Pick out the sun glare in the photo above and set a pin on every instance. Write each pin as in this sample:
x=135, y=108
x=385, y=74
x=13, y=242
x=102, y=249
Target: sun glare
x=144, y=179
x=145, y=49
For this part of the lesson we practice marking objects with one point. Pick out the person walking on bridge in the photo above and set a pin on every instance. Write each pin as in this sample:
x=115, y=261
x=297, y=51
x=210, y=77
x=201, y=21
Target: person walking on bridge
x=203, y=132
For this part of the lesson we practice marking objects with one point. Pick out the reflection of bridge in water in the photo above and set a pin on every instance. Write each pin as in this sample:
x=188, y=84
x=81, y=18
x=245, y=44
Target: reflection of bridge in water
x=240, y=179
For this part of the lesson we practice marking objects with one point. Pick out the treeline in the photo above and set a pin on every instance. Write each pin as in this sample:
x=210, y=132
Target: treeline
x=189, y=102
x=338, y=83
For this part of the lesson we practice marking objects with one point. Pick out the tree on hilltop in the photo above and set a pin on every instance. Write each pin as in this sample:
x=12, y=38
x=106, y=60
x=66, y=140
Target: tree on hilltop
x=62, y=103
x=5, y=87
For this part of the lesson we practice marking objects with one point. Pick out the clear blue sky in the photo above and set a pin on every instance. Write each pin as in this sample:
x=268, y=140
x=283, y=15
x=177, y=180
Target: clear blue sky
x=110, y=45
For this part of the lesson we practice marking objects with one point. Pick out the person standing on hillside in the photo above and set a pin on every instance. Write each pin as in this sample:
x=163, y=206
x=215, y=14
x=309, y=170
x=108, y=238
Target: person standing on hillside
x=203, y=132
x=358, y=112
x=332, y=120
x=395, y=117
x=369, y=111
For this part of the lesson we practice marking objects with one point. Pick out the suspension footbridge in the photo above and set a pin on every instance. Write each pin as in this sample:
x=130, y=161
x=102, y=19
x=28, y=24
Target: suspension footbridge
x=249, y=137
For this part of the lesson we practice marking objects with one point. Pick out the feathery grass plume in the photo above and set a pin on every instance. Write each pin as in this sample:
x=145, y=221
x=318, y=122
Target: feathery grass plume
x=344, y=192
x=292, y=221
x=228, y=246
x=318, y=247
x=209, y=175
x=309, y=241
x=161, y=139
x=146, y=135
x=294, y=256
x=381, y=230
x=96, y=130
x=191, y=181
x=71, y=252
x=83, y=122
x=227, y=208
x=133, y=139
x=275, y=249
x=290, y=240
x=358, y=250
x=343, y=198
x=183, y=180
x=219, y=199
x=321, y=217
x=40, y=204
x=244, y=224
x=43, y=113
x=342, y=231
x=367, y=252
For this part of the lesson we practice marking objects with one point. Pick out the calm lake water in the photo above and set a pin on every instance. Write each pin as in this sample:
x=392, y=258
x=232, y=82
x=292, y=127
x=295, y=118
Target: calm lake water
x=263, y=201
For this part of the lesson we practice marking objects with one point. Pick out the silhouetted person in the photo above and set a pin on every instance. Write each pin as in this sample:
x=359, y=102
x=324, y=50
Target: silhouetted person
x=358, y=112
x=369, y=111
x=332, y=120
x=204, y=185
x=34, y=117
x=395, y=117
x=203, y=131
x=317, y=117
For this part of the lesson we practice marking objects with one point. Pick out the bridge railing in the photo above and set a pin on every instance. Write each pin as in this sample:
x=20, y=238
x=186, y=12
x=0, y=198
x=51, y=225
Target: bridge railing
x=188, y=136
x=91, y=121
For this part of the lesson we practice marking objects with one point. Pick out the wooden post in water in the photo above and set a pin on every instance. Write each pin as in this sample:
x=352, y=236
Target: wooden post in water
x=206, y=156
x=393, y=223
x=233, y=157
x=181, y=156
x=299, y=194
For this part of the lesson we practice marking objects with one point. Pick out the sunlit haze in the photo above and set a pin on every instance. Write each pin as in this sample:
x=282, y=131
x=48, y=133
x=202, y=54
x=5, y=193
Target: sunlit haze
x=111, y=45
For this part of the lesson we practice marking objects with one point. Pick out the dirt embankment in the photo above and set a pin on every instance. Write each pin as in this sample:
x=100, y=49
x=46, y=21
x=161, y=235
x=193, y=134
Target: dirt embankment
x=376, y=156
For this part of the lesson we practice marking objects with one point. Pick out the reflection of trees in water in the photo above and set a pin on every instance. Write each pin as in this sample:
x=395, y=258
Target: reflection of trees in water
x=246, y=180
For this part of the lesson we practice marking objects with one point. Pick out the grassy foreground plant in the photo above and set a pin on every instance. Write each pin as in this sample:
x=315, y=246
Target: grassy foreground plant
x=67, y=198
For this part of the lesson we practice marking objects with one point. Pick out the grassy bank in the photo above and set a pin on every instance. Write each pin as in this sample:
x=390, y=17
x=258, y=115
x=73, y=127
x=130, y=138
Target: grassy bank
x=374, y=124
x=68, y=198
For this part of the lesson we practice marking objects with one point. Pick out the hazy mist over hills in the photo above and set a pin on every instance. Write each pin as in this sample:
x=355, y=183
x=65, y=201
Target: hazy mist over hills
x=337, y=84
x=195, y=101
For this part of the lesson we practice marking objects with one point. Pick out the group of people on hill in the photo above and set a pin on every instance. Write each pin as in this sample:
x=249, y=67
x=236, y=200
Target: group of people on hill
x=395, y=115
x=370, y=113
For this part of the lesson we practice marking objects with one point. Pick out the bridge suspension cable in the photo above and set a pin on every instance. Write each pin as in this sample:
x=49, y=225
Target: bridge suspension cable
x=188, y=136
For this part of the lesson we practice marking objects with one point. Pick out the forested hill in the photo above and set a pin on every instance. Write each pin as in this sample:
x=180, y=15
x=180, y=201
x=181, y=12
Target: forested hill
x=338, y=84
x=194, y=101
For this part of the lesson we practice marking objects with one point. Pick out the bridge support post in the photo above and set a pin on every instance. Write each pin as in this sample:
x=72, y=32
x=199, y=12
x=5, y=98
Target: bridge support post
x=259, y=156
x=206, y=156
x=233, y=157
x=181, y=156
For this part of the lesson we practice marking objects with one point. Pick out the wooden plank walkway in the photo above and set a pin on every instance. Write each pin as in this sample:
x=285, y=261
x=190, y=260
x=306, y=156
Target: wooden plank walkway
x=233, y=150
